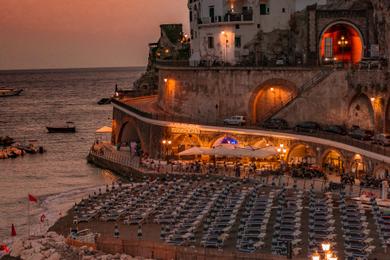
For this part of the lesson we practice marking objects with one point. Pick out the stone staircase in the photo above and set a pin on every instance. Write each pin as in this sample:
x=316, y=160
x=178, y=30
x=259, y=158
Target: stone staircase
x=318, y=78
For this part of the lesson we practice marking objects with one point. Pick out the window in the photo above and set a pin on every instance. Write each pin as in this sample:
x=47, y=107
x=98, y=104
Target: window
x=263, y=9
x=192, y=34
x=283, y=10
x=258, y=26
x=190, y=15
x=237, y=26
x=237, y=41
x=211, y=13
x=210, y=42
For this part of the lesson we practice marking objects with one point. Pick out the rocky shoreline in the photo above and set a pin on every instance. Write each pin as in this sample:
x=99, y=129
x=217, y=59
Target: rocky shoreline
x=53, y=246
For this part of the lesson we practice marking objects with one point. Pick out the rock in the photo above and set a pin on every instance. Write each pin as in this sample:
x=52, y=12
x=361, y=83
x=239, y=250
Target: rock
x=37, y=256
x=27, y=253
x=55, y=256
x=17, y=248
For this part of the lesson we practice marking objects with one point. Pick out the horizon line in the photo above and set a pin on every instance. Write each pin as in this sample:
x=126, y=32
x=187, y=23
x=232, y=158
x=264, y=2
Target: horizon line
x=71, y=69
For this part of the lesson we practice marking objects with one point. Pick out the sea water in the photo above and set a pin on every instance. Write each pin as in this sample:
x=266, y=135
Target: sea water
x=61, y=176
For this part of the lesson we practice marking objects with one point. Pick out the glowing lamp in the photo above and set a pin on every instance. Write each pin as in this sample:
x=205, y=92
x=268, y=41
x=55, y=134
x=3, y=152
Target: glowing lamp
x=166, y=50
x=279, y=150
x=328, y=255
x=284, y=150
x=315, y=256
x=164, y=141
x=272, y=89
x=169, y=142
x=165, y=80
x=372, y=99
x=325, y=246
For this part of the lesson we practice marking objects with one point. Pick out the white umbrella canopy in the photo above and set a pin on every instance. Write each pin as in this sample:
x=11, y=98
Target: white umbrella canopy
x=195, y=151
x=104, y=130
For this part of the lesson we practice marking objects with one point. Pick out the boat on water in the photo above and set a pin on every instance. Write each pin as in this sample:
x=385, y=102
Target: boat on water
x=69, y=128
x=10, y=92
x=104, y=101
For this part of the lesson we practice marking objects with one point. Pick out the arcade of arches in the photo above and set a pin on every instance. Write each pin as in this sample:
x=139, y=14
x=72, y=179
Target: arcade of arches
x=269, y=99
x=333, y=161
x=341, y=42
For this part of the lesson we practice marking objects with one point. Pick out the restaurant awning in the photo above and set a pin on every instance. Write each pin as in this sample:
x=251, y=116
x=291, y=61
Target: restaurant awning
x=104, y=130
x=228, y=150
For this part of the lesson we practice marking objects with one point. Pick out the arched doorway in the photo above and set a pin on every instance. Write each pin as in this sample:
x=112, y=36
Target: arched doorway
x=226, y=139
x=269, y=98
x=128, y=134
x=341, y=42
x=333, y=162
x=301, y=153
x=184, y=142
x=361, y=113
x=358, y=167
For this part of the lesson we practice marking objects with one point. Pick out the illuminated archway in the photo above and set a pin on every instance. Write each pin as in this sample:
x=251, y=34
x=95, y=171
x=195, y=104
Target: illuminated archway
x=226, y=139
x=361, y=112
x=341, y=42
x=185, y=141
x=301, y=153
x=333, y=161
x=269, y=97
x=358, y=166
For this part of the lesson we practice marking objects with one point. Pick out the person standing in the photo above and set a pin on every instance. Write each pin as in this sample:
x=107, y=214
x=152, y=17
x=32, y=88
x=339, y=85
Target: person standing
x=116, y=231
x=139, y=232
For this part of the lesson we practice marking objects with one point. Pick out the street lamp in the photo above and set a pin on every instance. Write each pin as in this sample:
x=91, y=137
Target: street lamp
x=315, y=256
x=325, y=246
x=166, y=144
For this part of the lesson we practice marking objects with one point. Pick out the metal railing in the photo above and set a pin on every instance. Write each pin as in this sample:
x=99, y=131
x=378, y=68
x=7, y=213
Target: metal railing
x=368, y=146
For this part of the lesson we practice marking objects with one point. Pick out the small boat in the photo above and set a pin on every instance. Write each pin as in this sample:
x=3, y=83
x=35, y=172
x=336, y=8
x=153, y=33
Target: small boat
x=10, y=92
x=69, y=128
x=104, y=101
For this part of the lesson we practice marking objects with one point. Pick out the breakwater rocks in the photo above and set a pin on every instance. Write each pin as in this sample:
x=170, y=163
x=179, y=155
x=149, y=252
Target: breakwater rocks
x=54, y=247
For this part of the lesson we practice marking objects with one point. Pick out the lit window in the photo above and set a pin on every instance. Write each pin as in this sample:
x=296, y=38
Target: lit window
x=283, y=10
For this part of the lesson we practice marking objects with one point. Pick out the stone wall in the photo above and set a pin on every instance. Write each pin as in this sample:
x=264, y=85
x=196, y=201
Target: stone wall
x=215, y=93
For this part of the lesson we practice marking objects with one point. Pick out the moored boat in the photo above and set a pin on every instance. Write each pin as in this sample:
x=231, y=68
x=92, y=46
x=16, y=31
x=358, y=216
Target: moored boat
x=9, y=92
x=69, y=128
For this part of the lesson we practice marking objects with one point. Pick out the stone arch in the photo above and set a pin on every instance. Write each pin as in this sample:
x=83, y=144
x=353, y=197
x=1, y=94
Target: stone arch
x=262, y=143
x=334, y=160
x=217, y=139
x=358, y=166
x=185, y=141
x=341, y=40
x=129, y=132
x=301, y=152
x=361, y=112
x=270, y=96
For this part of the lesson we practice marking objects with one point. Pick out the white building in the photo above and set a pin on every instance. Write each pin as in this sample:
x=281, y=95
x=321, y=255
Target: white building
x=221, y=28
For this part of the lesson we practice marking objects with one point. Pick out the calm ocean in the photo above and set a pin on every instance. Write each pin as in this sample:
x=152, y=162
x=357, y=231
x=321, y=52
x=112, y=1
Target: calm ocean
x=62, y=175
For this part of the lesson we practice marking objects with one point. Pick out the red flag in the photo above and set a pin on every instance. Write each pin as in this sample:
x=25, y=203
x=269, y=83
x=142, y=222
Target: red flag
x=31, y=198
x=13, y=231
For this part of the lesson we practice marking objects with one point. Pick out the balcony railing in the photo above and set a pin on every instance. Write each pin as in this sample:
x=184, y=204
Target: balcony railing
x=381, y=150
x=227, y=18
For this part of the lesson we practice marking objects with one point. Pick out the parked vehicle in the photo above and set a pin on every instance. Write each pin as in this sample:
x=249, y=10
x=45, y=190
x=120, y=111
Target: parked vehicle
x=275, y=123
x=235, y=120
x=308, y=126
x=382, y=139
x=361, y=134
x=336, y=129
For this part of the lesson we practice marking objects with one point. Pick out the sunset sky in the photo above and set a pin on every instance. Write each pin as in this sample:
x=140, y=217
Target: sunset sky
x=82, y=33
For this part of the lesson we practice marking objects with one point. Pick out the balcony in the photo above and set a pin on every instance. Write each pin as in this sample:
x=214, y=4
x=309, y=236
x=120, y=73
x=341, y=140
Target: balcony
x=230, y=17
